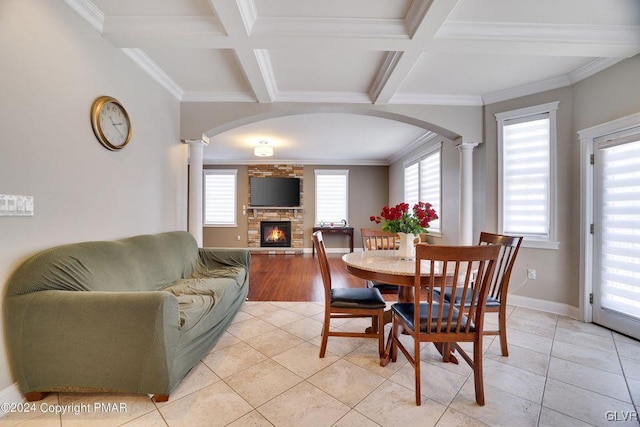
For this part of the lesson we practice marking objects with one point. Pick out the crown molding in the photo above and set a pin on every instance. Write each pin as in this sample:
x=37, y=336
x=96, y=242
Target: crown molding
x=415, y=144
x=248, y=13
x=266, y=70
x=415, y=14
x=323, y=96
x=385, y=71
x=88, y=11
x=218, y=97
x=432, y=99
x=592, y=68
x=151, y=68
x=528, y=89
x=581, y=73
x=274, y=161
x=163, y=26
x=535, y=32
x=333, y=27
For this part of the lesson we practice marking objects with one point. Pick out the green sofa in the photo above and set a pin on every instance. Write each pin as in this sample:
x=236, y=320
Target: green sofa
x=132, y=315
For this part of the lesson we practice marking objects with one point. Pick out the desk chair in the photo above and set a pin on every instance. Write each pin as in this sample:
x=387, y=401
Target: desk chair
x=348, y=302
x=374, y=239
x=438, y=321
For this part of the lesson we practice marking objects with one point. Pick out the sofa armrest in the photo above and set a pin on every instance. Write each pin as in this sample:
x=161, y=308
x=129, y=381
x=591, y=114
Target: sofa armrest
x=213, y=258
x=102, y=340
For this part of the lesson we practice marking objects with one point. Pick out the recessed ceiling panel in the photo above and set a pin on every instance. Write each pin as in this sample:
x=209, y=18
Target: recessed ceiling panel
x=154, y=8
x=324, y=69
x=454, y=74
x=317, y=137
x=395, y=9
x=201, y=70
x=609, y=12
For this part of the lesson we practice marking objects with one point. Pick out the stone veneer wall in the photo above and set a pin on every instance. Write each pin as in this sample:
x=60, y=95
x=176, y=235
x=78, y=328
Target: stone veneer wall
x=297, y=228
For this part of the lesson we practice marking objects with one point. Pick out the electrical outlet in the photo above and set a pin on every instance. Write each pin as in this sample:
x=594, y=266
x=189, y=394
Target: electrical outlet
x=531, y=274
x=238, y=237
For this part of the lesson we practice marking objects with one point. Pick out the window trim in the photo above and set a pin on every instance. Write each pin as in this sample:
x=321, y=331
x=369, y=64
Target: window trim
x=526, y=114
x=342, y=172
x=206, y=172
x=417, y=158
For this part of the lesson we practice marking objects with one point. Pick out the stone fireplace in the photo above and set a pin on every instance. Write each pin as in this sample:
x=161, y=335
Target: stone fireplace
x=293, y=216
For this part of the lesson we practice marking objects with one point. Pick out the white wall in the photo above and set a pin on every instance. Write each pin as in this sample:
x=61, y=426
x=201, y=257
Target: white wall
x=53, y=65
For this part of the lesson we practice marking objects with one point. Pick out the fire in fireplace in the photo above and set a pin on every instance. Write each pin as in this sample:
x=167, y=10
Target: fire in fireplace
x=275, y=234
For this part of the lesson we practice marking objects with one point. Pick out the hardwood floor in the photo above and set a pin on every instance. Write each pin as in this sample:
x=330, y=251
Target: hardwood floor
x=295, y=277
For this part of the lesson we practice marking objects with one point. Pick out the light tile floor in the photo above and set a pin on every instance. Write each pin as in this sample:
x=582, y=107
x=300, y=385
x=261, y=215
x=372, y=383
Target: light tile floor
x=265, y=371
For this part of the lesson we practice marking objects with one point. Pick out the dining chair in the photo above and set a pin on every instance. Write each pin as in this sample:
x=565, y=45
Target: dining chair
x=374, y=239
x=348, y=302
x=498, y=291
x=437, y=321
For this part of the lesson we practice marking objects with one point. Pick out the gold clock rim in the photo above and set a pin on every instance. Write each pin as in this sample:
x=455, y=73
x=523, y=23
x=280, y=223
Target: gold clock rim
x=97, y=106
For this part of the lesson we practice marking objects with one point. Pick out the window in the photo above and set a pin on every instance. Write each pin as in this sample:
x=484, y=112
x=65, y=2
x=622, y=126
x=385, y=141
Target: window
x=332, y=195
x=422, y=183
x=220, y=197
x=526, y=151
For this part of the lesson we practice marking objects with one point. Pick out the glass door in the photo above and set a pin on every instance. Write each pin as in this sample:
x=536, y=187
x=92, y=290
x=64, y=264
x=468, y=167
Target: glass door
x=616, y=275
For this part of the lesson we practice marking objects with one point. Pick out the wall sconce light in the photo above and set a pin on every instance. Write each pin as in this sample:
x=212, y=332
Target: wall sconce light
x=263, y=150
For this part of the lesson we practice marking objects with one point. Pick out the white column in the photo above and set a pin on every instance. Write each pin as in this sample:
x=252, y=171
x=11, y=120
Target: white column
x=465, y=236
x=196, y=149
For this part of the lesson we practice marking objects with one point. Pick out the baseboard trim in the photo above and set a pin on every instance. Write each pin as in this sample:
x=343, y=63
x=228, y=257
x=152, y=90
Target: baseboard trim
x=10, y=394
x=544, y=305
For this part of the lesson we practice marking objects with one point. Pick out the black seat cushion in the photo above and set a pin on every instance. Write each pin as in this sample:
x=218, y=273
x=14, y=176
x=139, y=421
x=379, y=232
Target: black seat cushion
x=384, y=286
x=491, y=302
x=356, y=298
x=406, y=310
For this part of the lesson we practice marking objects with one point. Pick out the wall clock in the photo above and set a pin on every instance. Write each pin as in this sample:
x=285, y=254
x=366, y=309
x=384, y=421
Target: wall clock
x=111, y=123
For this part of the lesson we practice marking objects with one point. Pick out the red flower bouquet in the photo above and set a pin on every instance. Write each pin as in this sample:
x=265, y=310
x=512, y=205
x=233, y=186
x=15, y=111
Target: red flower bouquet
x=398, y=219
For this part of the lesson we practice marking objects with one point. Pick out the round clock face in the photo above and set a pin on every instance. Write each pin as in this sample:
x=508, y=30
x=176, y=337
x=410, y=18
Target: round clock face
x=111, y=123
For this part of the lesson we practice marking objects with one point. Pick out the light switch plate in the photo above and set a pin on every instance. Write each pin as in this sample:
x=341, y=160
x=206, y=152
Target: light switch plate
x=12, y=205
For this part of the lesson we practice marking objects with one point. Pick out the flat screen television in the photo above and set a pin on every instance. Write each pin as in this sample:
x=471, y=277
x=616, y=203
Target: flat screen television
x=270, y=191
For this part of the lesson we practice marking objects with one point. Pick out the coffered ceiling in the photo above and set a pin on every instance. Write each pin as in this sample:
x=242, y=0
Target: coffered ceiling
x=440, y=52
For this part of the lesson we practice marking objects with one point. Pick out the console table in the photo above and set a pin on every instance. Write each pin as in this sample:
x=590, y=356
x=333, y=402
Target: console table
x=334, y=230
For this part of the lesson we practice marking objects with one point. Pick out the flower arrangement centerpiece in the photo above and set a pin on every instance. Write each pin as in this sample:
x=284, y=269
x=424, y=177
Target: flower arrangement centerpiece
x=407, y=224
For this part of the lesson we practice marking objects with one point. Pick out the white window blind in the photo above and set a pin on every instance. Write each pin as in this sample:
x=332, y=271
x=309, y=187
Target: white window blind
x=332, y=195
x=620, y=256
x=430, y=185
x=422, y=178
x=412, y=183
x=220, y=197
x=525, y=150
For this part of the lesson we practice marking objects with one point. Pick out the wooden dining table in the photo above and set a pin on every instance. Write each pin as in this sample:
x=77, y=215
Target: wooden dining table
x=387, y=267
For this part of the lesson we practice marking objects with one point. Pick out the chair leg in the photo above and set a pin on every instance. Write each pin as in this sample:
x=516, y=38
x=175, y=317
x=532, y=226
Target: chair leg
x=325, y=333
x=502, y=321
x=393, y=336
x=477, y=370
x=380, y=318
x=416, y=352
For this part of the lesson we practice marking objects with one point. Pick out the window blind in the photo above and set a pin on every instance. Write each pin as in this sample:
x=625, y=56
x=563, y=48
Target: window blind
x=430, y=185
x=526, y=176
x=412, y=184
x=220, y=197
x=620, y=256
x=331, y=196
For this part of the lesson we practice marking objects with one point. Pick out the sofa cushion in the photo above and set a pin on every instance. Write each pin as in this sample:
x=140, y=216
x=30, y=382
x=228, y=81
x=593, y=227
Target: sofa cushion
x=198, y=296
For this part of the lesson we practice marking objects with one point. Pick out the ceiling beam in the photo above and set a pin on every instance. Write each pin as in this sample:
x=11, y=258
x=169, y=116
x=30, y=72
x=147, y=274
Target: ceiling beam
x=396, y=68
x=238, y=23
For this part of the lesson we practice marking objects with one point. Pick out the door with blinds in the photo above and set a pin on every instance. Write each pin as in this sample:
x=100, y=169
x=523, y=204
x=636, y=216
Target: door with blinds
x=616, y=229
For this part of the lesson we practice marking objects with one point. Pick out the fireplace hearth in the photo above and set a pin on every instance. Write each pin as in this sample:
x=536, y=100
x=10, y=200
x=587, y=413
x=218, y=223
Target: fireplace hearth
x=275, y=234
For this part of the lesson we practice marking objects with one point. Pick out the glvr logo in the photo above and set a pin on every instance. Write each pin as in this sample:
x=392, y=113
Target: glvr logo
x=622, y=416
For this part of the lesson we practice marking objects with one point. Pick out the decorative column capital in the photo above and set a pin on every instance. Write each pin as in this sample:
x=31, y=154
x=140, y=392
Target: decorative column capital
x=464, y=146
x=195, y=142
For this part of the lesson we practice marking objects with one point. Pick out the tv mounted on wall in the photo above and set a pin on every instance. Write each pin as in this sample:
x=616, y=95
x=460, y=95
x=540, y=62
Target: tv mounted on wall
x=270, y=191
